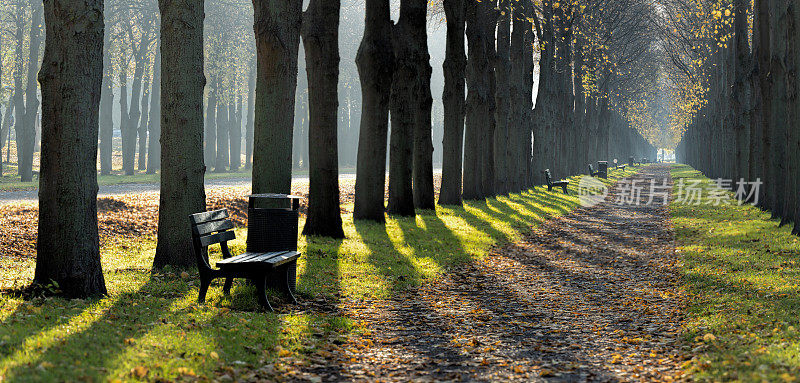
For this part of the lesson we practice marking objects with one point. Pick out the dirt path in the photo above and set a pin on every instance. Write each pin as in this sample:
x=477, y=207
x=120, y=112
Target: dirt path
x=590, y=296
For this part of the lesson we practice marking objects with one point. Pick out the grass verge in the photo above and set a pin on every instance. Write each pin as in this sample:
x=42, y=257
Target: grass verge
x=743, y=279
x=150, y=328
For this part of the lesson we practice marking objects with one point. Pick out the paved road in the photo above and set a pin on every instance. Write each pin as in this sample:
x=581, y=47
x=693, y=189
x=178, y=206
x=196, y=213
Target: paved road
x=112, y=190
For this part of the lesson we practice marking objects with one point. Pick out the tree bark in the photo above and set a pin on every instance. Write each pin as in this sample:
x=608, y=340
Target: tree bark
x=503, y=153
x=68, y=244
x=277, y=30
x=453, y=98
x=320, y=32
x=422, y=172
x=182, y=82
x=375, y=62
x=480, y=103
x=154, y=142
x=408, y=37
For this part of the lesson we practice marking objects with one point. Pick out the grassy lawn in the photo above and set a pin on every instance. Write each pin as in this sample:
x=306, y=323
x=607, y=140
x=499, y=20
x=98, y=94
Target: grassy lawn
x=150, y=326
x=743, y=279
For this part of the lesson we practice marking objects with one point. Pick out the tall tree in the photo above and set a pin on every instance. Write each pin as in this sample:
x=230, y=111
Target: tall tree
x=107, y=108
x=321, y=43
x=405, y=104
x=143, y=127
x=277, y=29
x=222, y=137
x=154, y=127
x=235, y=133
x=71, y=79
x=453, y=98
x=375, y=61
x=210, y=127
x=182, y=170
x=502, y=138
x=25, y=125
x=422, y=171
x=251, y=98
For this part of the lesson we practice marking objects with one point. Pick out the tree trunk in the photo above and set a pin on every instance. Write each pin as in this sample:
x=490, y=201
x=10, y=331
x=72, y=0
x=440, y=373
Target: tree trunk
x=453, y=98
x=145, y=120
x=124, y=124
x=135, y=113
x=210, y=128
x=422, y=172
x=182, y=82
x=251, y=98
x=107, y=109
x=503, y=157
x=480, y=102
x=25, y=127
x=235, y=134
x=68, y=244
x=154, y=142
x=321, y=43
x=222, y=138
x=779, y=104
x=762, y=26
x=408, y=37
x=277, y=29
x=375, y=62
x=526, y=114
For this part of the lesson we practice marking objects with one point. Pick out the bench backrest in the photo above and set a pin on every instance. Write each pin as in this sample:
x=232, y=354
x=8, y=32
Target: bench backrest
x=210, y=228
x=548, y=176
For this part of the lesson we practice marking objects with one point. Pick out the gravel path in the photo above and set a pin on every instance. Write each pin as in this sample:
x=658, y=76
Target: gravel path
x=590, y=296
x=121, y=189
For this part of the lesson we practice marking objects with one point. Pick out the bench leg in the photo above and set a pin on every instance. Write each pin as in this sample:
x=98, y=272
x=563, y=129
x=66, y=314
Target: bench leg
x=564, y=187
x=261, y=292
x=288, y=287
x=549, y=188
x=204, y=283
x=227, y=288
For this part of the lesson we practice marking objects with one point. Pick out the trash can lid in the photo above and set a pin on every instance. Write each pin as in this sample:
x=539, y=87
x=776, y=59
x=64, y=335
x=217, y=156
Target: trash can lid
x=275, y=196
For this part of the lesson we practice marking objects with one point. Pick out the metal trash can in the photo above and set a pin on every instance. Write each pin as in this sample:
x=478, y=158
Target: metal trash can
x=272, y=226
x=602, y=167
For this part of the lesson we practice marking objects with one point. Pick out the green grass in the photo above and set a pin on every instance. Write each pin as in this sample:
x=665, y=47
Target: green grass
x=150, y=327
x=743, y=282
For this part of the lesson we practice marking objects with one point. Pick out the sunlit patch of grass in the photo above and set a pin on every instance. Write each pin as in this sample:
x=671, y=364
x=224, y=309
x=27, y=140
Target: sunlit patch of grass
x=150, y=326
x=743, y=279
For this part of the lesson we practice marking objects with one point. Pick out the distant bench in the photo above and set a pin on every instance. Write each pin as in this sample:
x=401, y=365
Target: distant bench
x=592, y=172
x=271, y=268
x=551, y=184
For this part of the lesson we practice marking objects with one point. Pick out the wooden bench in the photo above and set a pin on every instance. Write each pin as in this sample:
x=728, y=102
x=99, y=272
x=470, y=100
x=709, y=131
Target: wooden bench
x=550, y=184
x=621, y=167
x=263, y=269
x=592, y=172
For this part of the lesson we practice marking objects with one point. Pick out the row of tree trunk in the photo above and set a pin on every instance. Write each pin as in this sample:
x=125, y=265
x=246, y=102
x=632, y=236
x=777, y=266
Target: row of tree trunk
x=748, y=129
x=495, y=117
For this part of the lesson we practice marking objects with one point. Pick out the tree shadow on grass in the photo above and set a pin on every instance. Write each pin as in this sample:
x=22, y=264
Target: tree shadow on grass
x=157, y=327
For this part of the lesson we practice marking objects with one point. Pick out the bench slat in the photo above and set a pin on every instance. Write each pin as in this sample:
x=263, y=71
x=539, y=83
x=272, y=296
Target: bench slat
x=214, y=215
x=249, y=257
x=212, y=227
x=272, y=259
x=224, y=236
